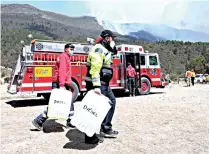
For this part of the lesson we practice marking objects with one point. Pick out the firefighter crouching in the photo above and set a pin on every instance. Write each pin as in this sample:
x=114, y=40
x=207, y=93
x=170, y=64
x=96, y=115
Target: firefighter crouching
x=131, y=73
x=99, y=74
x=62, y=80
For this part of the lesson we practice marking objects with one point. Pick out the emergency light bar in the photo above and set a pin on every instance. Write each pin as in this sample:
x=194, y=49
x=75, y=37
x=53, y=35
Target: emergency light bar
x=129, y=48
x=47, y=46
x=53, y=46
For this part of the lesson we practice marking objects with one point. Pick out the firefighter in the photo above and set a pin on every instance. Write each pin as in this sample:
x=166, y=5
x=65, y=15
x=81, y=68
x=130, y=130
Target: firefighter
x=99, y=74
x=188, y=77
x=131, y=73
x=62, y=80
x=193, y=75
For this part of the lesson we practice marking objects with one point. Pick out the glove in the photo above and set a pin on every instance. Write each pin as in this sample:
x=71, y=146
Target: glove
x=97, y=91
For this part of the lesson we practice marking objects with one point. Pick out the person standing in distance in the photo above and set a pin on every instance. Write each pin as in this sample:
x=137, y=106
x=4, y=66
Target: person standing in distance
x=99, y=74
x=131, y=73
x=188, y=77
x=193, y=75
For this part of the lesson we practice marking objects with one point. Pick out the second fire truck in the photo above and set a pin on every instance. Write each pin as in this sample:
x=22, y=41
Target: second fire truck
x=35, y=66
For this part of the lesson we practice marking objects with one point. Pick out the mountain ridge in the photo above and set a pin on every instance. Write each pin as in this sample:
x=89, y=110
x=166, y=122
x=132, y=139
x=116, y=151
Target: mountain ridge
x=158, y=30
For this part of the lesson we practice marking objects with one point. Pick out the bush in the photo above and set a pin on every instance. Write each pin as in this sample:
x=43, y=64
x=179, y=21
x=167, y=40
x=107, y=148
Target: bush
x=198, y=64
x=6, y=79
x=3, y=74
x=182, y=75
x=173, y=77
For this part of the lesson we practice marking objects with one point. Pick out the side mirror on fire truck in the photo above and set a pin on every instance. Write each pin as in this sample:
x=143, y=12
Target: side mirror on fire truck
x=90, y=40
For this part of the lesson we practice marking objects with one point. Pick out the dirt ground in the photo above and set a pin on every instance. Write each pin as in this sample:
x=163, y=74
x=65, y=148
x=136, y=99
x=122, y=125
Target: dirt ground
x=174, y=120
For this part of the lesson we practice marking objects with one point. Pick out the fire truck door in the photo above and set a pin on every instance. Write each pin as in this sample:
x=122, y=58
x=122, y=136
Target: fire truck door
x=153, y=67
x=134, y=59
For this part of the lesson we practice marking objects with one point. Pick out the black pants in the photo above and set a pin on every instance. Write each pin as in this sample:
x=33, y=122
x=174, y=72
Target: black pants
x=131, y=85
x=192, y=78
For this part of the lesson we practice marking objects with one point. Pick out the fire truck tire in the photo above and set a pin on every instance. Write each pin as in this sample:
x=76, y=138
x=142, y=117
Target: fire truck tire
x=75, y=91
x=46, y=96
x=145, y=86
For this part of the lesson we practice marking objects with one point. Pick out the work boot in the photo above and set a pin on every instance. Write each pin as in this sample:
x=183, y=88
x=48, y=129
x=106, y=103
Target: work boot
x=69, y=125
x=38, y=122
x=93, y=140
x=110, y=133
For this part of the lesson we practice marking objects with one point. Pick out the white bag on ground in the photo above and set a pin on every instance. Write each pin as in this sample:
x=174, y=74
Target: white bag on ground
x=90, y=113
x=59, y=104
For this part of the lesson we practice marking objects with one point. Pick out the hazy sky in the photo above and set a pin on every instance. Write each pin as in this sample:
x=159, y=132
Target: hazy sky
x=187, y=14
x=71, y=8
x=130, y=10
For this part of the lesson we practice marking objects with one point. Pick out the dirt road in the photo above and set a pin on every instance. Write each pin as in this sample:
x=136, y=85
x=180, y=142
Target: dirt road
x=174, y=120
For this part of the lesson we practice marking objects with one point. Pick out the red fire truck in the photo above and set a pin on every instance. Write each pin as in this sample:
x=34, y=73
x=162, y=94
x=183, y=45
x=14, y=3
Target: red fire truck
x=35, y=65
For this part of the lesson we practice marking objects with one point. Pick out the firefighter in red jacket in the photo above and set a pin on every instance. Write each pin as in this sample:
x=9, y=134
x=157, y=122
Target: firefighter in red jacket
x=131, y=73
x=62, y=80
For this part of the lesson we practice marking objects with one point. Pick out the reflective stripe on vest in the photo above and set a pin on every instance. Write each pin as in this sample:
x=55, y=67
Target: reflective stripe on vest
x=104, y=65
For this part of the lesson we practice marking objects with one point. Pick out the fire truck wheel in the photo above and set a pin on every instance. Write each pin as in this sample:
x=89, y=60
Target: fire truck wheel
x=145, y=86
x=75, y=90
x=46, y=96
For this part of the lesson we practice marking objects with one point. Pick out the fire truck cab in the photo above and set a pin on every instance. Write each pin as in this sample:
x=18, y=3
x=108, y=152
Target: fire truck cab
x=35, y=66
x=147, y=66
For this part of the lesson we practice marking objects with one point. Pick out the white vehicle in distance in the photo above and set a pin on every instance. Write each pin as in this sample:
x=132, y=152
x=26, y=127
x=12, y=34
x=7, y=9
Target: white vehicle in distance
x=198, y=78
